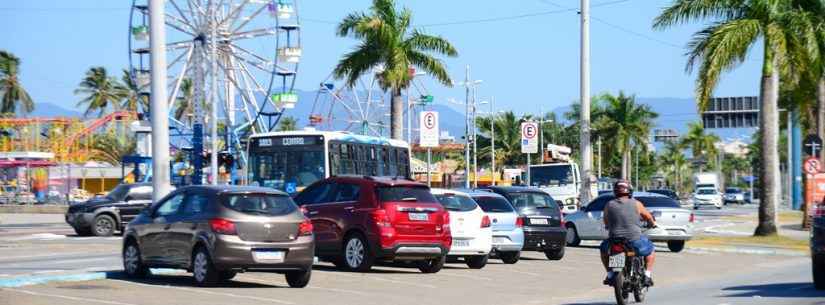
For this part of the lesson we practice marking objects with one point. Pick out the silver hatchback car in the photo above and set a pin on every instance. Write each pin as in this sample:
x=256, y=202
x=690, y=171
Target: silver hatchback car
x=508, y=227
x=217, y=231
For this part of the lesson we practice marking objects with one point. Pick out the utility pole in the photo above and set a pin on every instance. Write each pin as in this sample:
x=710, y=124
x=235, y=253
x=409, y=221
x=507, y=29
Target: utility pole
x=158, y=107
x=213, y=90
x=475, y=140
x=409, y=117
x=467, y=128
x=599, y=152
x=493, y=140
x=586, y=150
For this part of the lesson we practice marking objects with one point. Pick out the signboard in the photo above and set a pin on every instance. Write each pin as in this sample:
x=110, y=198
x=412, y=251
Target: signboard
x=812, y=145
x=529, y=138
x=732, y=112
x=428, y=130
x=812, y=166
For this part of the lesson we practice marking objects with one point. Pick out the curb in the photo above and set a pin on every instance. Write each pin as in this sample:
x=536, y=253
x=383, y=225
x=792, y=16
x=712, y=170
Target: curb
x=29, y=280
x=753, y=251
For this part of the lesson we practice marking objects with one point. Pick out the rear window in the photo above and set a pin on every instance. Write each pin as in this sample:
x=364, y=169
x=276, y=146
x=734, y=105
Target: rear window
x=493, y=204
x=658, y=202
x=457, y=203
x=706, y=192
x=532, y=200
x=733, y=191
x=259, y=204
x=405, y=193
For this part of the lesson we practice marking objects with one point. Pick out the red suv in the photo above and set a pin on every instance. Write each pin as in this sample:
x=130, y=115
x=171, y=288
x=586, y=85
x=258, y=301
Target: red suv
x=360, y=220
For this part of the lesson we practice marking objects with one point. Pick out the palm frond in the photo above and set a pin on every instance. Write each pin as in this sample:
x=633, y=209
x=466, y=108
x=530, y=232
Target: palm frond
x=424, y=42
x=685, y=11
x=433, y=66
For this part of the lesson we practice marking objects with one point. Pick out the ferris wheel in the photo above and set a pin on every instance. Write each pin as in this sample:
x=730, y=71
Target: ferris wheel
x=248, y=49
x=360, y=108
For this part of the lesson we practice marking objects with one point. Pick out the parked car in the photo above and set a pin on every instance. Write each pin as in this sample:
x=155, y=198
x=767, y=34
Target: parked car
x=734, y=195
x=669, y=193
x=818, y=245
x=508, y=226
x=108, y=214
x=704, y=196
x=217, y=231
x=674, y=223
x=469, y=227
x=360, y=220
x=542, y=217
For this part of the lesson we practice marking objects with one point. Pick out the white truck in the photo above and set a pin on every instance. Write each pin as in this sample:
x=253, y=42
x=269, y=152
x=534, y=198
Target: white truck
x=560, y=177
x=706, y=191
x=706, y=180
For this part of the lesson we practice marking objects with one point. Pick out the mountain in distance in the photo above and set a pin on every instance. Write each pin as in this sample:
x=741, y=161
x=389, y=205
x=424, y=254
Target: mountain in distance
x=46, y=109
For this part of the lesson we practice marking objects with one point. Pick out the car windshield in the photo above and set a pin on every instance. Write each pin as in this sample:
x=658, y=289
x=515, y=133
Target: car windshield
x=668, y=193
x=456, y=202
x=733, y=191
x=259, y=204
x=658, y=202
x=405, y=193
x=493, y=204
x=118, y=193
x=532, y=200
x=706, y=191
x=554, y=175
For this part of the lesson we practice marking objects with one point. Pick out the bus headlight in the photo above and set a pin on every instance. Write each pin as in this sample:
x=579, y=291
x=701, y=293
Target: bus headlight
x=569, y=201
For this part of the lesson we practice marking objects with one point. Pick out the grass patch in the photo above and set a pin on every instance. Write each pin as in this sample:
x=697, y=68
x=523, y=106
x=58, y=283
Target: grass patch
x=784, y=217
x=777, y=241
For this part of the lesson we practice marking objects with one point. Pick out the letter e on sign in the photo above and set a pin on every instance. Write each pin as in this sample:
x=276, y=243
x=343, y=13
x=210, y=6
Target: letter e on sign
x=428, y=129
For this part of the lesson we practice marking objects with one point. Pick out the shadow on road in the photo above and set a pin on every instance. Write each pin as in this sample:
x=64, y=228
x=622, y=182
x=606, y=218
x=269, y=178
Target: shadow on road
x=181, y=280
x=591, y=303
x=329, y=268
x=778, y=290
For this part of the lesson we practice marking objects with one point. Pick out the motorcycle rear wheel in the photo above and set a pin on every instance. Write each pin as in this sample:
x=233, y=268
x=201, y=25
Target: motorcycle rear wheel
x=639, y=294
x=618, y=289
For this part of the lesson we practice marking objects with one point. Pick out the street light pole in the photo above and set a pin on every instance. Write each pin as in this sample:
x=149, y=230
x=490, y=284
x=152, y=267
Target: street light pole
x=475, y=140
x=586, y=149
x=158, y=107
x=493, y=172
x=467, y=128
x=213, y=90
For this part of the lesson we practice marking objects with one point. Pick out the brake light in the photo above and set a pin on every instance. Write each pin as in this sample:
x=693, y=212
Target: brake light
x=222, y=226
x=381, y=218
x=692, y=218
x=304, y=210
x=519, y=222
x=485, y=222
x=617, y=248
x=305, y=228
x=561, y=218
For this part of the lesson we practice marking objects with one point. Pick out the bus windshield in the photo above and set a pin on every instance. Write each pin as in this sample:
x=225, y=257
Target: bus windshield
x=556, y=175
x=286, y=163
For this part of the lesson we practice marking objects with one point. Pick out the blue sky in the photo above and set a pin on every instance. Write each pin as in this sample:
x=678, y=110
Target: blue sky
x=526, y=63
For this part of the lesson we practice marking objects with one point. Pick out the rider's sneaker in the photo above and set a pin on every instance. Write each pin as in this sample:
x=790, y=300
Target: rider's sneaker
x=608, y=280
x=648, y=281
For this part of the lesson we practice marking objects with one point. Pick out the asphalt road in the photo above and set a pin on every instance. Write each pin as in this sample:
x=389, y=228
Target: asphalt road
x=45, y=249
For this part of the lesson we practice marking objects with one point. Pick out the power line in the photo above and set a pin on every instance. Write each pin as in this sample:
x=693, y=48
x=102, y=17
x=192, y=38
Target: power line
x=496, y=19
x=626, y=30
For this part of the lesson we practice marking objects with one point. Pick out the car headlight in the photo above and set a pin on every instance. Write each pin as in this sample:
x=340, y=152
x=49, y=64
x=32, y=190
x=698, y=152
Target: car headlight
x=569, y=201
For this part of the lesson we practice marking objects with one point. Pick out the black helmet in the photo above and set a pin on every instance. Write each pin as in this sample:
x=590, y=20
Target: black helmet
x=622, y=188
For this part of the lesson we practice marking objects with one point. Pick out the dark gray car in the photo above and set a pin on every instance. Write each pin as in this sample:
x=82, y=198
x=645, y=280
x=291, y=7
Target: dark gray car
x=106, y=215
x=217, y=231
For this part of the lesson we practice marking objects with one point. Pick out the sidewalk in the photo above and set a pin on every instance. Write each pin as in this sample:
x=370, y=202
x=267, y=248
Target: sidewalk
x=736, y=236
x=7, y=219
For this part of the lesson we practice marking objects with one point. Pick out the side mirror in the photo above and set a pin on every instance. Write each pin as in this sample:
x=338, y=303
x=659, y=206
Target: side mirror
x=128, y=198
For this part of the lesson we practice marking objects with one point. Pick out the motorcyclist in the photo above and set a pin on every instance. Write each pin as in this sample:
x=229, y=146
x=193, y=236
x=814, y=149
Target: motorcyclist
x=621, y=217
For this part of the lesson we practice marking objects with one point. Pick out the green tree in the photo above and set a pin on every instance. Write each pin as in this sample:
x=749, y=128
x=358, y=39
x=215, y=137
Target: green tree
x=675, y=165
x=110, y=147
x=508, y=138
x=287, y=123
x=184, y=103
x=625, y=125
x=14, y=95
x=101, y=92
x=738, y=25
x=389, y=43
x=702, y=145
x=133, y=100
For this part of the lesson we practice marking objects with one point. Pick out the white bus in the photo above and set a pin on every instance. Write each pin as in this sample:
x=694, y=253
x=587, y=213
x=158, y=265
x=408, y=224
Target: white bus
x=292, y=160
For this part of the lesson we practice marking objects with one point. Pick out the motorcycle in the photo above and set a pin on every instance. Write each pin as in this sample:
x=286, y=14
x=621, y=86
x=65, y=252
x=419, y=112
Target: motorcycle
x=629, y=271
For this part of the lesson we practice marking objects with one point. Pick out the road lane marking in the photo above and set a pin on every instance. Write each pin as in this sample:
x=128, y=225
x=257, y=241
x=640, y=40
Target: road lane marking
x=523, y=272
x=226, y=294
x=258, y=280
x=466, y=276
x=14, y=258
x=383, y=279
x=66, y=297
x=79, y=260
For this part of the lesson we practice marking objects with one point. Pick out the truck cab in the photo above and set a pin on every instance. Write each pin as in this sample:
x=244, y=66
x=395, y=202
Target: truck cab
x=560, y=177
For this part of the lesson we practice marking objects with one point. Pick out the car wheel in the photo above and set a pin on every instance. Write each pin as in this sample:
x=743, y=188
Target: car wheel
x=82, y=231
x=298, y=279
x=132, y=263
x=203, y=271
x=554, y=255
x=818, y=269
x=227, y=275
x=104, y=225
x=572, y=238
x=510, y=257
x=676, y=246
x=477, y=261
x=432, y=265
x=357, y=255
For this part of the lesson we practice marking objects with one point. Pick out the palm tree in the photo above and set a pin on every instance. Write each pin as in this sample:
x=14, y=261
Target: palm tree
x=134, y=100
x=14, y=95
x=739, y=24
x=673, y=163
x=288, y=123
x=624, y=124
x=110, y=147
x=508, y=138
x=701, y=144
x=184, y=104
x=101, y=90
x=389, y=44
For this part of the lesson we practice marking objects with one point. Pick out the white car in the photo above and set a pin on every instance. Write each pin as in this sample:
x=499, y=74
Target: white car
x=674, y=223
x=470, y=228
x=706, y=196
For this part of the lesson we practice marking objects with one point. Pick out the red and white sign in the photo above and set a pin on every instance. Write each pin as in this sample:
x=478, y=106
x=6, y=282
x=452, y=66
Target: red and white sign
x=428, y=129
x=529, y=138
x=812, y=166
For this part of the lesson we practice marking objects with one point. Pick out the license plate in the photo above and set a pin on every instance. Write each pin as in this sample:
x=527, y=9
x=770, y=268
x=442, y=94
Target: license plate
x=616, y=261
x=268, y=256
x=500, y=240
x=419, y=216
x=538, y=221
x=459, y=243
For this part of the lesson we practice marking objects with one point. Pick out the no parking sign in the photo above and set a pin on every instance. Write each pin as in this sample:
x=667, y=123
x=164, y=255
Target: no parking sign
x=529, y=138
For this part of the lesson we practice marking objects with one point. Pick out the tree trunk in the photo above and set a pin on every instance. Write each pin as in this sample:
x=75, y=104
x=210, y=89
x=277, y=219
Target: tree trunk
x=769, y=126
x=397, y=115
x=625, y=165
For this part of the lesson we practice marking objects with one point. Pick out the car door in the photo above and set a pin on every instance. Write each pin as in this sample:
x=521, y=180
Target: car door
x=591, y=225
x=154, y=240
x=181, y=235
x=136, y=200
x=343, y=212
x=313, y=200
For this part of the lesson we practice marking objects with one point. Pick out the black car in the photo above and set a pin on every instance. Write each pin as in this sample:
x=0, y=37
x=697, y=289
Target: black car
x=666, y=192
x=818, y=245
x=105, y=215
x=543, y=230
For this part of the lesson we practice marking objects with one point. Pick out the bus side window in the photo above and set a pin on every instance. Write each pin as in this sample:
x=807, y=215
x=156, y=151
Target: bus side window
x=373, y=163
x=403, y=163
x=385, y=161
x=393, y=162
x=334, y=159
